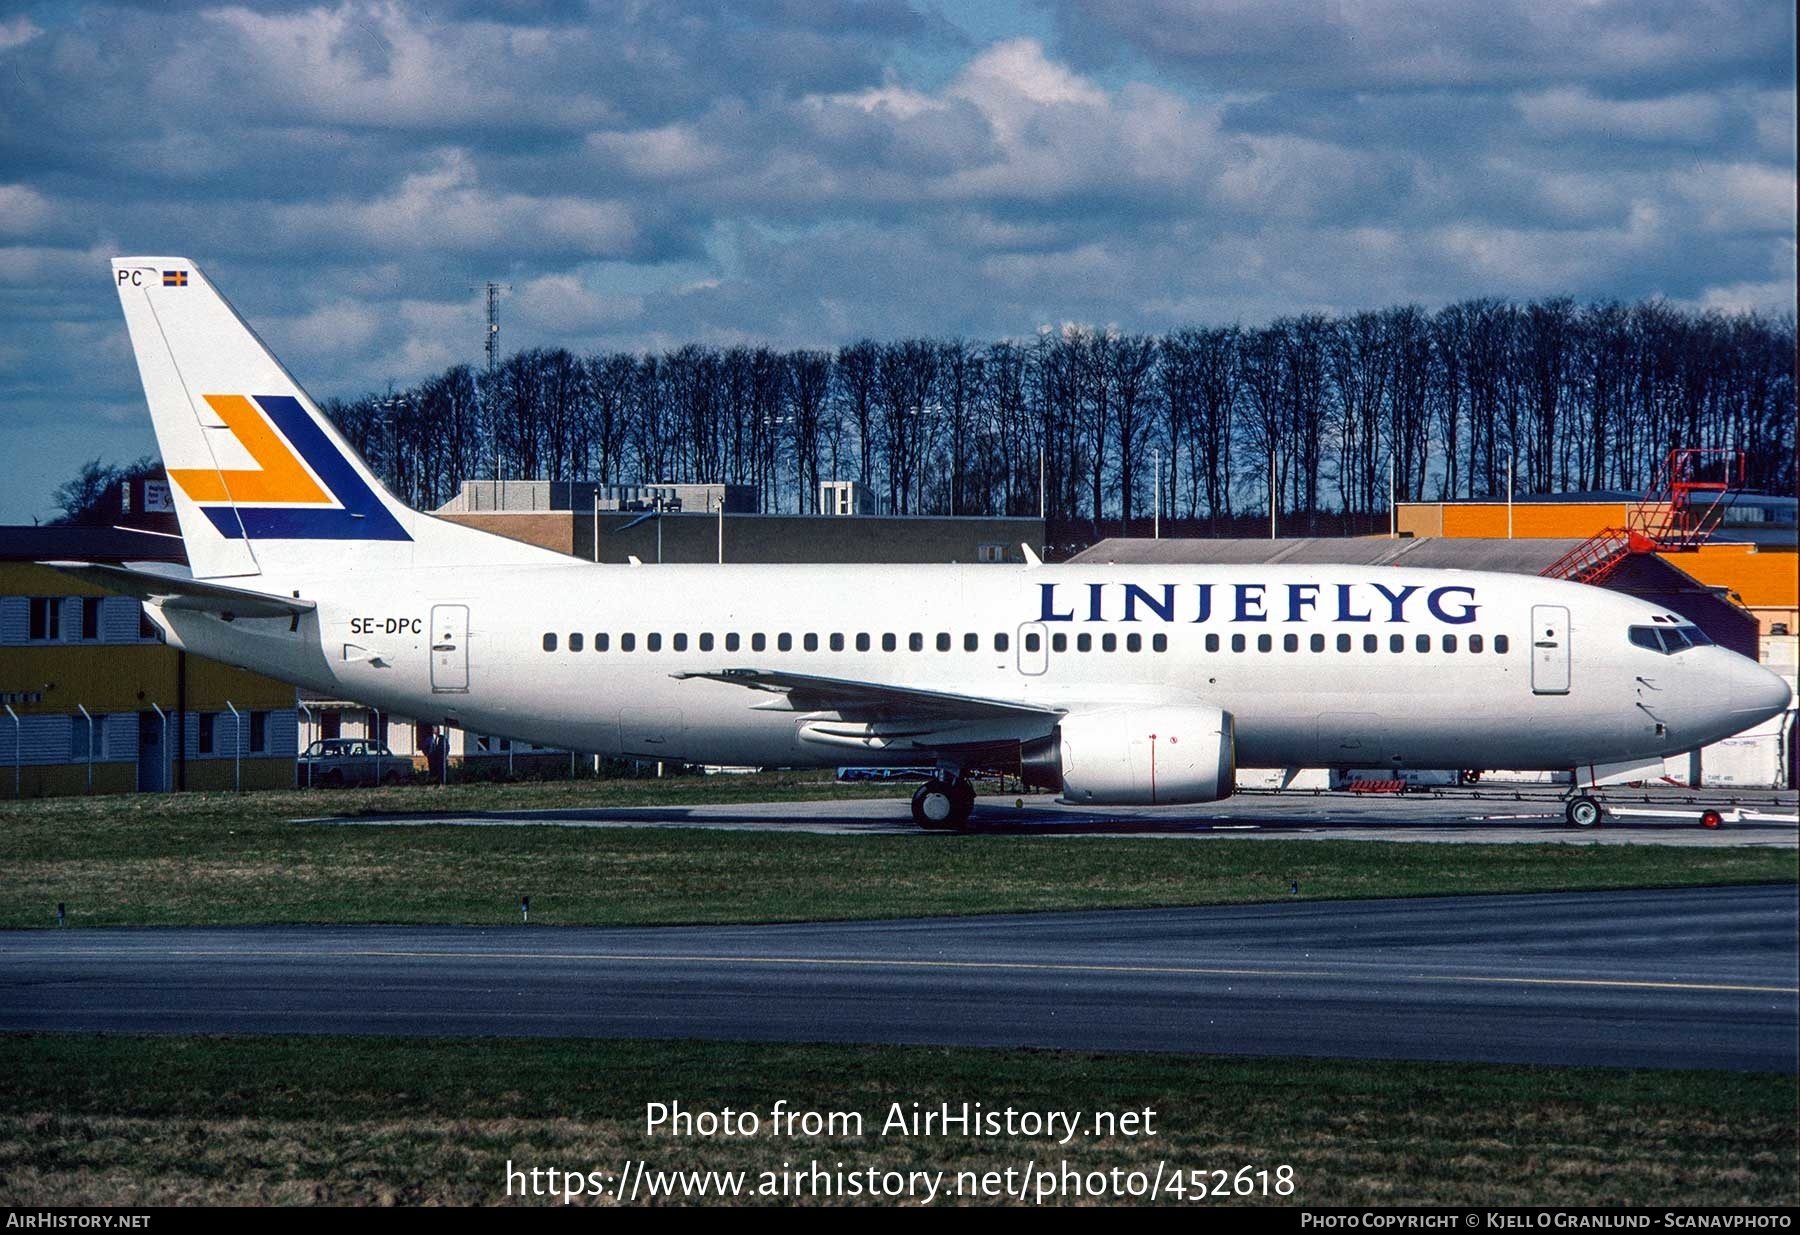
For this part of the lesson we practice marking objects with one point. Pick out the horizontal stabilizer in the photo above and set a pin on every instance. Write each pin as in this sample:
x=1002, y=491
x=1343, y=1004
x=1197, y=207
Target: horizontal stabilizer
x=178, y=592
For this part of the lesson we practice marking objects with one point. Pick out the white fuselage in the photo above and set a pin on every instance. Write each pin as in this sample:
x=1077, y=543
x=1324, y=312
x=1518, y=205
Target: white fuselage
x=1320, y=665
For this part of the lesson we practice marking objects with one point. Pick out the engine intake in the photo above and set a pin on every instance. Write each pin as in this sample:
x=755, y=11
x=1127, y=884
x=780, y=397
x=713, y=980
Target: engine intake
x=1136, y=757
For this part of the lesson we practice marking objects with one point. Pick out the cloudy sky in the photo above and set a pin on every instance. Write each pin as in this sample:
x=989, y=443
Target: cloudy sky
x=807, y=172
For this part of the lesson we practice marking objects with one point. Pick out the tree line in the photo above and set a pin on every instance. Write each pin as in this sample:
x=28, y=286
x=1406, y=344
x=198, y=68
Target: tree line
x=1326, y=411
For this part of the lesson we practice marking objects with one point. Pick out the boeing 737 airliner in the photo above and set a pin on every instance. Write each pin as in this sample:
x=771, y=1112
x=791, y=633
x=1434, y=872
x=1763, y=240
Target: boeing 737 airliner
x=1110, y=685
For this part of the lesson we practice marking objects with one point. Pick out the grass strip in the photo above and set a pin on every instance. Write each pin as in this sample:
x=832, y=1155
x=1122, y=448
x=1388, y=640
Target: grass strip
x=175, y=1120
x=198, y=859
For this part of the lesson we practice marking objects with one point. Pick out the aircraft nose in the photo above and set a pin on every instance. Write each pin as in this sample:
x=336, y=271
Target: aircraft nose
x=1757, y=694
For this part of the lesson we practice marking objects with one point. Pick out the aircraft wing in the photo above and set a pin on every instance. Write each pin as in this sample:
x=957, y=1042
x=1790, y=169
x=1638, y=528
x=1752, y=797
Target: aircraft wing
x=805, y=692
x=179, y=592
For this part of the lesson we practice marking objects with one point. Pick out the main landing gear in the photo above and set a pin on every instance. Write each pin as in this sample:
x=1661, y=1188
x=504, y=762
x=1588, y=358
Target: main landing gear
x=943, y=804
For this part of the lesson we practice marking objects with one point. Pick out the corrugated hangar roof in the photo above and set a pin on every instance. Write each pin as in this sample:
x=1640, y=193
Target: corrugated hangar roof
x=1521, y=557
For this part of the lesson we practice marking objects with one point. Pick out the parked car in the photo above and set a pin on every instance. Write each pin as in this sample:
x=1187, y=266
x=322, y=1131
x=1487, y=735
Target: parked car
x=331, y=762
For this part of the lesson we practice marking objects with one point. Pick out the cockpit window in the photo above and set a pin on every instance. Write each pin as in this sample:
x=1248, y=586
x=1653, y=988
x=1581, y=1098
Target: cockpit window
x=1668, y=639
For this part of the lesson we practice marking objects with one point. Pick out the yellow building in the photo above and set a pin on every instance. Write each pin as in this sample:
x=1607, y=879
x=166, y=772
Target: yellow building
x=1751, y=556
x=92, y=701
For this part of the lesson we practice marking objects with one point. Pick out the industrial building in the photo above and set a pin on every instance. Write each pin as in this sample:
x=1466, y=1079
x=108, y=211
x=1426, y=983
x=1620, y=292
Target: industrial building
x=719, y=523
x=94, y=702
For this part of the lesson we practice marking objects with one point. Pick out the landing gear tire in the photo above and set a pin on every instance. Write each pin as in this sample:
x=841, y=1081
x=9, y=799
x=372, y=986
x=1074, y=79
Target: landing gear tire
x=1583, y=812
x=942, y=806
x=1711, y=819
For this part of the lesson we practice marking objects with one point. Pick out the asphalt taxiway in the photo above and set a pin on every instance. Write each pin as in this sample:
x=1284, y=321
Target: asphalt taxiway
x=1494, y=817
x=1692, y=978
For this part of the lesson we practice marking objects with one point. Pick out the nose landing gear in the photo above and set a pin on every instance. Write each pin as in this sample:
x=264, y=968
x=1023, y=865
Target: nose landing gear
x=943, y=804
x=1583, y=811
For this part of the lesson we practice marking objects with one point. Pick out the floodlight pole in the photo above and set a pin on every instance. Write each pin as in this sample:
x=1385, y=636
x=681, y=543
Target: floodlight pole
x=168, y=772
x=1271, y=492
x=237, y=746
x=309, y=728
x=90, y=760
x=18, y=741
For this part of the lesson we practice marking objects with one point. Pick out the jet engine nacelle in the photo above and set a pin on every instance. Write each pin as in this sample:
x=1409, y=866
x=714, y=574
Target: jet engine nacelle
x=1136, y=757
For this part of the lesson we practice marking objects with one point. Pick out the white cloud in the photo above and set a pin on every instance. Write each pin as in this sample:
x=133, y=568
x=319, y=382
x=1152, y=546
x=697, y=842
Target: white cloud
x=1570, y=111
x=18, y=32
x=444, y=207
x=1740, y=197
x=670, y=152
x=23, y=210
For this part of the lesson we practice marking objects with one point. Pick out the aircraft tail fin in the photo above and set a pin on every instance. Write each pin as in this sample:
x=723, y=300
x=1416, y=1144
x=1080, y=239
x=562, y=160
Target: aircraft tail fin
x=263, y=483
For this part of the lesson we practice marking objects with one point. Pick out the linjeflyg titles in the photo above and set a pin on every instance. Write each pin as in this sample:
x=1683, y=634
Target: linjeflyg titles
x=1451, y=604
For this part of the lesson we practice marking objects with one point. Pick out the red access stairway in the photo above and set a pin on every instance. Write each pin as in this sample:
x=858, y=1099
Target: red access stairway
x=1688, y=500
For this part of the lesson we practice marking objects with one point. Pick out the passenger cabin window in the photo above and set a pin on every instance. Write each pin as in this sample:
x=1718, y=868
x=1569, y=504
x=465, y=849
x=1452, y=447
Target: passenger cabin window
x=1212, y=643
x=915, y=642
x=810, y=642
x=1396, y=643
x=600, y=642
x=1449, y=643
x=758, y=642
x=784, y=642
x=1134, y=642
x=837, y=643
x=1084, y=643
x=1500, y=644
x=1109, y=643
x=1001, y=642
x=1290, y=643
x=1318, y=643
x=653, y=643
x=1422, y=643
x=1059, y=642
x=1237, y=643
x=1265, y=643
x=1159, y=643
x=943, y=641
x=890, y=642
x=549, y=641
x=627, y=643
x=1475, y=643
x=706, y=642
x=971, y=642
x=1371, y=643
x=732, y=643
x=575, y=642
x=1032, y=642
x=862, y=642
x=679, y=643
x=1343, y=643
